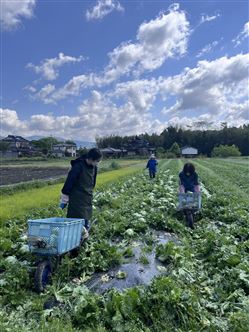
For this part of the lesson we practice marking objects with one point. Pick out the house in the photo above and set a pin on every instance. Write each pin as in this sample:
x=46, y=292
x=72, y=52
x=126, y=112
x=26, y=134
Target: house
x=16, y=142
x=64, y=150
x=133, y=147
x=113, y=153
x=139, y=146
x=189, y=152
x=17, y=146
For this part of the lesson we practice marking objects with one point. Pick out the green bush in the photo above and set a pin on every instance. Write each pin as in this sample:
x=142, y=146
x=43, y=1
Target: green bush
x=170, y=155
x=114, y=165
x=226, y=151
x=175, y=149
x=160, y=152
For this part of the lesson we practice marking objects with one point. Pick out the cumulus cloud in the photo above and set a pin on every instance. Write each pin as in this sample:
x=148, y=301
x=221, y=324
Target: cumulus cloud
x=12, y=12
x=102, y=9
x=207, y=49
x=97, y=115
x=208, y=18
x=140, y=93
x=242, y=35
x=204, y=97
x=218, y=87
x=100, y=112
x=210, y=93
x=157, y=40
x=160, y=39
x=49, y=68
x=10, y=122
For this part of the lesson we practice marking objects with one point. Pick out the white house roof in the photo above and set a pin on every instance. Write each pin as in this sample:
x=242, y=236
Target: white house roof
x=189, y=150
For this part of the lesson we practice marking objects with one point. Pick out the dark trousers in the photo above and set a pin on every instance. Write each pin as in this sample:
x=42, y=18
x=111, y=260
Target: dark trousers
x=87, y=224
x=152, y=174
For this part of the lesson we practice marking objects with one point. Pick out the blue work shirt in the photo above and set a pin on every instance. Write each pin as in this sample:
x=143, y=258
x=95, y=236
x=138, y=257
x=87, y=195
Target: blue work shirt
x=152, y=163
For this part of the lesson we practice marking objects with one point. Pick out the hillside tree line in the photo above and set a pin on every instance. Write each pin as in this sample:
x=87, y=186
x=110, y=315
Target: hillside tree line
x=203, y=140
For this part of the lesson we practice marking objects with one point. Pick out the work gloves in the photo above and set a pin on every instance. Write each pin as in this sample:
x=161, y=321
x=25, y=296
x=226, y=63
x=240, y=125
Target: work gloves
x=64, y=201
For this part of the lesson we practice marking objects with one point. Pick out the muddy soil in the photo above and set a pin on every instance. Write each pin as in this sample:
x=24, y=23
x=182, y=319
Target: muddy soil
x=13, y=175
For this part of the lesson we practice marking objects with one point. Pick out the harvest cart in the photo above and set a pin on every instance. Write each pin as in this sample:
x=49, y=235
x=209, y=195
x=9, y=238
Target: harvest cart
x=49, y=239
x=189, y=205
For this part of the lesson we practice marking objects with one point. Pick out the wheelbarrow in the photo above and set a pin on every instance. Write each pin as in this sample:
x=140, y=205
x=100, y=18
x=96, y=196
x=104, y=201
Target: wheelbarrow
x=49, y=239
x=190, y=206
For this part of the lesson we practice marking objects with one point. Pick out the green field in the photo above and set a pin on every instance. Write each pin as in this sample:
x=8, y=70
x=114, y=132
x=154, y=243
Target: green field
x=203, y=283
x=63, y=162
x=17, y=205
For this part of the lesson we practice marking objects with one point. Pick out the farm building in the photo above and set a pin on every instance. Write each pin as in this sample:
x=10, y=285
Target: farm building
x=189, y=152
x=16, y=141
x=113, y=153
x=64, y=150
x=133, y=147
x=139, y=146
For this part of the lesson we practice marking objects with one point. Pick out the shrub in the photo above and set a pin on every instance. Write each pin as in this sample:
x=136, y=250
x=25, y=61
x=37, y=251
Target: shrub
x=226, y=151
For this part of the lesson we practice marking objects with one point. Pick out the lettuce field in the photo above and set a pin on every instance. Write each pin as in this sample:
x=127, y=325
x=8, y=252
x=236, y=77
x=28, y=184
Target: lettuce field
x=179, y=279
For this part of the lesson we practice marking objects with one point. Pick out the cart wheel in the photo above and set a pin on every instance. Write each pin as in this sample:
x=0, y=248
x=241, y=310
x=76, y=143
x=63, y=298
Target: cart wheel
x=75, y=252
x=42, y=276
x=190, y=219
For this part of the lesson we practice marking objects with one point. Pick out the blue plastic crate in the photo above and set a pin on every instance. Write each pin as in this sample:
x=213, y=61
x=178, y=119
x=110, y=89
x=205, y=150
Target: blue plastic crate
x=189, y=200
x=54, y=236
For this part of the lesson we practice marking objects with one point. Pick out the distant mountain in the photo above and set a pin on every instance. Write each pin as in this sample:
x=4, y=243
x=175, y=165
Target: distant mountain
x=30, y=138
x=83, y=144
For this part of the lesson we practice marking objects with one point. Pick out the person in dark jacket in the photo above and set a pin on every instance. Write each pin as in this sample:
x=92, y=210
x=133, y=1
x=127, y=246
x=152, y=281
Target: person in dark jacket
x=152, y=166
x=189, y=179
x=77, y=191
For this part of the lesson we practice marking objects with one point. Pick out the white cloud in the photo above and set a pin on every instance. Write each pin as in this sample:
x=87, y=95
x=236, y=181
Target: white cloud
x=242, y=35
x=204, y=122
x=207, y=18
x=30, y=89
x=157, y=40
x=10, y=123
x=140, y=93
x=160, y=39
x=204, y=97
x=49, y=68
x=103, y=8
x=12, y=12
x=45, y=93
x=207, y=49
x=102, y=116
x=219, y=88
x=97, y=115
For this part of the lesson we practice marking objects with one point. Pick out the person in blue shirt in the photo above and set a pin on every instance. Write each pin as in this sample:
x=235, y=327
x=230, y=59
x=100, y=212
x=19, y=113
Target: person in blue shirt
x=152, y=166
x=188, y=179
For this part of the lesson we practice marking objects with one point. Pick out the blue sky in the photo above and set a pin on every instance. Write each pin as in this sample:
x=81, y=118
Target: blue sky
x=78, y=69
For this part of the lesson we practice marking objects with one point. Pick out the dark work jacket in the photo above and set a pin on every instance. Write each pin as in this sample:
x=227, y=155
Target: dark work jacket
x=189, y=182
x=79, y=187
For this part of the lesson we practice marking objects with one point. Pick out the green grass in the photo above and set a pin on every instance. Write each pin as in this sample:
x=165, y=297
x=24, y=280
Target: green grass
x=106, y=165
x=64, y=163
x=19, y=204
